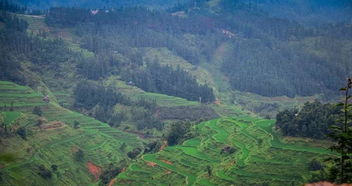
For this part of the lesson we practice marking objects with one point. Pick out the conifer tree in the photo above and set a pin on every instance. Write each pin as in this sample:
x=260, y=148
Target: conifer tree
x=341, y=172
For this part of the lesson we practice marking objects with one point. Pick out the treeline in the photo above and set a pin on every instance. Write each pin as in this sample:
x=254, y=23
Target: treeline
x=312, y=121
x=166, y=80
x=88, y=94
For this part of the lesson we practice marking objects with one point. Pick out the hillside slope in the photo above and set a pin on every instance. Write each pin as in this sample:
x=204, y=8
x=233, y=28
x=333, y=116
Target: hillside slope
x=55, y=141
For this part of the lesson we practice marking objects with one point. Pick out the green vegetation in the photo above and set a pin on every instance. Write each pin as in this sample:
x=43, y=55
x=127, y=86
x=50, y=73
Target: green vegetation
x=313, y=120
x=341, y=171
x=140, y=96
x=61, y=145
x=260, y=157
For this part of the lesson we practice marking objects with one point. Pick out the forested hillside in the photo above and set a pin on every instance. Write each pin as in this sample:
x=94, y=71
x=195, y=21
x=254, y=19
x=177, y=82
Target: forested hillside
x=175, y=92
x=268, y=56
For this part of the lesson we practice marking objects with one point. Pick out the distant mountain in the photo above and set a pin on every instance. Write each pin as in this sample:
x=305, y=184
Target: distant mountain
x=45, y=4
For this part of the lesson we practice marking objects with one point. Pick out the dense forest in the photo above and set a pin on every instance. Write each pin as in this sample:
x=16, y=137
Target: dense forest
x=177, y=82
x=261, y=61
x=313, y=120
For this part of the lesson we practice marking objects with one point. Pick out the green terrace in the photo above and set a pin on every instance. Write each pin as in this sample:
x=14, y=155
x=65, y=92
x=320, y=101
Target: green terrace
x=259, y=157
x=100, y=143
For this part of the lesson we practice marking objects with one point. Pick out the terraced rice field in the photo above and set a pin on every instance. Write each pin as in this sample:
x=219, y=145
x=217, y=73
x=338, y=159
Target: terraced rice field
x=260, y=157
x=99, y=142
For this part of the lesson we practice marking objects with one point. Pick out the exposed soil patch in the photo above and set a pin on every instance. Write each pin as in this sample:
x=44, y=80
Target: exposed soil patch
x=52, y=125
x=167, y=162
x=112, y=182
x=151, y=164
x=94, y=170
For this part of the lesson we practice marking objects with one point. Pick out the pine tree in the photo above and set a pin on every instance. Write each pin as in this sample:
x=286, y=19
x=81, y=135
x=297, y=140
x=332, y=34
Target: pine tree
x=341, y=172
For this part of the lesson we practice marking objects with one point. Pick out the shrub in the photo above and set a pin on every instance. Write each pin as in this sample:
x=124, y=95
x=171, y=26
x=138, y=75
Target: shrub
x=44, y=172
x=37, y=111
x=315, y=165
x=22, y=132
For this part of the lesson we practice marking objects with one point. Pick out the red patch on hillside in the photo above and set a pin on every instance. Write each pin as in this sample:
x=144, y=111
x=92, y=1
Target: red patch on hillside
x=151, y=164
x=52, y=125
x=94, y=170
x=112, y=182
x=168, y=162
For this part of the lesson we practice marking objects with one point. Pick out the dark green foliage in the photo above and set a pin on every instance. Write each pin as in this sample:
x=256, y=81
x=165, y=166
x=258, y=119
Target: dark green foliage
x=149, y=122
x=54, y=167
x=152, y=147
x=44, y=172
x=37, y=111
x=63, y=16
x=179, y=132
x=163, y=79
x=110, y=173
x=79, y=155
x=22, y=132
x=341, y=132
x=227, y=150
x=88, y=94
x=209, y=170
x=100, y=101
x=270, y=56
x=315, y=165
x=191, y=113
x=98, y=67
x=312, y=121
x=18, y=46
x=134, y=153
x=76, y=125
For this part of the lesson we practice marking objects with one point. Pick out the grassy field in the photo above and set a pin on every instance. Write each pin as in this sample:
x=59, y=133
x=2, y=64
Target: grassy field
x=260, y=157
x=56, y=146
